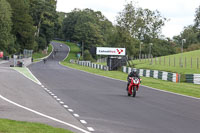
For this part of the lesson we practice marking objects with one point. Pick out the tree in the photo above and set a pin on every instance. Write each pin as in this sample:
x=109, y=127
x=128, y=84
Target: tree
x=197, y=18
x=23, y=28
x=59, y=26
x=6, y=38
x=191, y=33
x=197, y=23
x=87, y=26
x=135, y=25
x=45, y=17
x=143, y=24
x=89, y=34
x=122, y=38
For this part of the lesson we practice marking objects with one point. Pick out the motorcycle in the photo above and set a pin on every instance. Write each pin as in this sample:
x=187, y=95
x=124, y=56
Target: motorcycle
x=133, y=86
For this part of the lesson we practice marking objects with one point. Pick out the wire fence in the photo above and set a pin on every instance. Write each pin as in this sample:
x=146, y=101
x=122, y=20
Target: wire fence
x=171, y=61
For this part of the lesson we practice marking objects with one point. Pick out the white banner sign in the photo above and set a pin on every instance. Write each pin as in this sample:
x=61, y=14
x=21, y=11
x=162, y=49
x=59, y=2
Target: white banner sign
x=110, y=51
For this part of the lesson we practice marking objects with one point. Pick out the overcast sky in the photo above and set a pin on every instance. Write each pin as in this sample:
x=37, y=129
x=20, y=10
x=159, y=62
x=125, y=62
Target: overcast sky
x=180, y=12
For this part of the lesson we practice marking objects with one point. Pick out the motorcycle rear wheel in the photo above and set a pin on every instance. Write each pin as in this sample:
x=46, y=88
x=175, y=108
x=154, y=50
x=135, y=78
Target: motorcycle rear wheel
x=128, y=93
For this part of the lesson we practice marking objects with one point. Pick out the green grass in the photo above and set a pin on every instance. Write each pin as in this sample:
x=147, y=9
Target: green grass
x=180, y=88
x=172, y=63
x=11, y=126
x=101, y=63
x=38, y=55
x=74, y=49
x=26, y=73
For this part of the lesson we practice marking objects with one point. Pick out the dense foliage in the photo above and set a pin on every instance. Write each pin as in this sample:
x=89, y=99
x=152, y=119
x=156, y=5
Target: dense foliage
x=26, y=24
x=6, y=38
x=88, y=27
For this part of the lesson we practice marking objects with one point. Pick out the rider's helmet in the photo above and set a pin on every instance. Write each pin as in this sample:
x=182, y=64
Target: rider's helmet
x=134, y=71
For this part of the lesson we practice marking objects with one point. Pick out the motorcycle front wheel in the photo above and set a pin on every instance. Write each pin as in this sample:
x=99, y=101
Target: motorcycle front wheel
x=128, y=93
x=134, y=91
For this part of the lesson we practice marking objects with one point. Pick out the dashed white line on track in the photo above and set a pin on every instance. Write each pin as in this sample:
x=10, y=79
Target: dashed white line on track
x=70, y=110
x=65, y=106
x=90, y=129
x=58, y=99
x=61, y=102
x=83, y=121
x=76, y=115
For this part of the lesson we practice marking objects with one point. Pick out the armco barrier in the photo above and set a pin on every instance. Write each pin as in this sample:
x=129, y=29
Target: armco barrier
x=89, y=64
x=173, y=77
x=193, y=78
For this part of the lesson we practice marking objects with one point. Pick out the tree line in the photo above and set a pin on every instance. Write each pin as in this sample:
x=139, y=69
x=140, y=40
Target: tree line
x=32, y=24
x=135, y=26
x=26, y=24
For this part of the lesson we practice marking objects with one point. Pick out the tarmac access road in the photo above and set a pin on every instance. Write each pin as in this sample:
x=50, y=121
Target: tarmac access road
x=103, y=103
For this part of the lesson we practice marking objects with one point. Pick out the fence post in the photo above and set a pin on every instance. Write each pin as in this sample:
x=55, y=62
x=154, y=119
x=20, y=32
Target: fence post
x=155, y=60
x=185, y=62
x=160, y=60
x=197, y=62
x=174, y=61
x=164, y=60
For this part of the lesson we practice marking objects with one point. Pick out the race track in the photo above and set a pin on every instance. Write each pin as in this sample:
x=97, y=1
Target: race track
x=104, y=104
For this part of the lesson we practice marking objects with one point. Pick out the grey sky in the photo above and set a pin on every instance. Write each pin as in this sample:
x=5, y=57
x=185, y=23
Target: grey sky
x=180, y=12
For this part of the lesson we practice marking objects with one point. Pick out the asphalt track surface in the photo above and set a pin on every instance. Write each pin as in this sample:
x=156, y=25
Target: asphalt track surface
x=104, y=104
x=20, y=90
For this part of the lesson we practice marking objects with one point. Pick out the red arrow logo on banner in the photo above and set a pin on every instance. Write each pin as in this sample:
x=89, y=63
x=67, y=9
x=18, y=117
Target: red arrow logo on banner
x=119, y=51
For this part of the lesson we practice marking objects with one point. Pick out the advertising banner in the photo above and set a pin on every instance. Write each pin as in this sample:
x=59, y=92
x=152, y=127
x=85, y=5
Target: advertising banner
x=1, y=54
x=110, y=51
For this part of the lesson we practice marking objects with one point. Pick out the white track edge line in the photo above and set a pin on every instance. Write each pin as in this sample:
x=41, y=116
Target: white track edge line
x=43, y=115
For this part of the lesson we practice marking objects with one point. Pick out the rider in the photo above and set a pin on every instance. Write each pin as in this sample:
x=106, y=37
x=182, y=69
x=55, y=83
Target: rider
x=133, y=73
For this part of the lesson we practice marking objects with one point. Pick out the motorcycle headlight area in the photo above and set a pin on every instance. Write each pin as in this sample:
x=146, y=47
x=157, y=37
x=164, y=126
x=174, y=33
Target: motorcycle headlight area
x=135, y=81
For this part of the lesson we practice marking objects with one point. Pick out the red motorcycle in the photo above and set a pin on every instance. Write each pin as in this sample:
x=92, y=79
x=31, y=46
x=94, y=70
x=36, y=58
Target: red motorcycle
x=133, y=86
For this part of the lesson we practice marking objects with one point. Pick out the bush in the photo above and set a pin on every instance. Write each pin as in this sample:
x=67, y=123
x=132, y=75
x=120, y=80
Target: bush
x=87, y=56
x=193, y=47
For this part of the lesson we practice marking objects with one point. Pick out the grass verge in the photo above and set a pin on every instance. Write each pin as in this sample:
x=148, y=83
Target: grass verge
x=26, y=73
x=180, y=88
x=38, y=55
x=11, y=126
